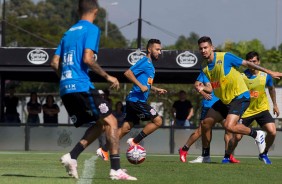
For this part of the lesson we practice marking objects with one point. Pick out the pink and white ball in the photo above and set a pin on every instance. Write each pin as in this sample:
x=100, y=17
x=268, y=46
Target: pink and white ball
x=136, y=154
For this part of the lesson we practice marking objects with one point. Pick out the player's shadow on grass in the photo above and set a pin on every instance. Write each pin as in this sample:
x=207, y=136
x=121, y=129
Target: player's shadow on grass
x=30, y=176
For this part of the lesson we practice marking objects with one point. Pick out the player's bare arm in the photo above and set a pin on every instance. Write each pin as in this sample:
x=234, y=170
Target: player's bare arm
x=91, y=62
x=273, y=74
x=130, y=76
x=159, y=90
x=272, y=94
x=55, y=64
x=207, y=88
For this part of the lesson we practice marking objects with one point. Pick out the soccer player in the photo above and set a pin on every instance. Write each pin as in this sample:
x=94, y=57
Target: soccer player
x=141, y=75
x=229, y=86
x=208, y=100
x=73, y=57
x=259, y=107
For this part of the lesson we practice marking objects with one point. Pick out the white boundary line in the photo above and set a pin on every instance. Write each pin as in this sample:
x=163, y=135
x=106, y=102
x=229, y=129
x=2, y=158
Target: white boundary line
x=88, y=171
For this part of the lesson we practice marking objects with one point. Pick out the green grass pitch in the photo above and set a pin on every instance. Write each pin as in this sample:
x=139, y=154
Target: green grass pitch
x=44, y=168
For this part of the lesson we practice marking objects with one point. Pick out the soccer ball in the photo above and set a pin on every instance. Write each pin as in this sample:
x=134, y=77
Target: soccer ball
x=136, y=154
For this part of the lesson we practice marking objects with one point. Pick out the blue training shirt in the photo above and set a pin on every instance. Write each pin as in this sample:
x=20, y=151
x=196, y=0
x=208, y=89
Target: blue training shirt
x=74, y=72
x=230, y=60
x=144, y=71
x=206, y=103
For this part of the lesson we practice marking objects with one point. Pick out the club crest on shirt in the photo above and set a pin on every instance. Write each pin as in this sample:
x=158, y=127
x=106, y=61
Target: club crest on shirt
x=219, y=62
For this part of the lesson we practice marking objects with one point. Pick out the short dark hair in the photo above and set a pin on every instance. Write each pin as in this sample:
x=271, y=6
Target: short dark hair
x=85, y=6
x=204, y=39
x=251, y=55
x=151, y=42
x=181, y=92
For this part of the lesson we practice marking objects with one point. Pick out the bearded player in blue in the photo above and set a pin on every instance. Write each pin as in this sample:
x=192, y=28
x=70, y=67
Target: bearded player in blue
x=73, y=58
x=142, y=75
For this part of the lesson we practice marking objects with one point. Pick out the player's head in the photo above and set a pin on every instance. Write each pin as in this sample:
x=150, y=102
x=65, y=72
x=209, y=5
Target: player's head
x=205, y=46
x=253, y=57
x=88, y=6
x=154, y=49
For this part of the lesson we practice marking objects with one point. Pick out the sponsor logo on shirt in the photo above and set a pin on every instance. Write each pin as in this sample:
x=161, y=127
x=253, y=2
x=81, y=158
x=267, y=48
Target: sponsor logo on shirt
x=70, y=87
x=186, y=59
x=254, y=94
x=68, y=58
x=75, y=28
x=135, y=56
x=150, y=81
x=215, y=84
x=37, y=56
x=66, y=75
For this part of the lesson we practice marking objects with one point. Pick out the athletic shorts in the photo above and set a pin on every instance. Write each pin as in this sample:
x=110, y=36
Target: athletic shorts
x=136, y=111
x=86, y=107
x=204, y=112
x=236, y=106
x=262, y=118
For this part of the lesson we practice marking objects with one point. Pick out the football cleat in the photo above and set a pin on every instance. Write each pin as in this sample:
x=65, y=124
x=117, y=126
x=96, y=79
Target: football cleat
x=182, y=155
x=130, y=142
x=233, y=160
x=226, y=160
x=103, y=154
x=264, y=158
x=201, y=159
x=70, y=165
x=260, y=141
x=120, y=175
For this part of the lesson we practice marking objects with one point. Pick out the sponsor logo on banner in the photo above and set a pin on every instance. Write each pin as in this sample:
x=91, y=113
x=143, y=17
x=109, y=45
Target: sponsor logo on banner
x=186, y=59
x=135, y=56
x=37, y=56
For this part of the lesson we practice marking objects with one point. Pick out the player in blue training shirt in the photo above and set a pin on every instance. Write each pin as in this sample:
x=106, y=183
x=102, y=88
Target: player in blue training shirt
x=142, y=75
x=73, y=58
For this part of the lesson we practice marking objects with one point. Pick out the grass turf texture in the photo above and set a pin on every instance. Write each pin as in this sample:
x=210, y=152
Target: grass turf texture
x=44, y=168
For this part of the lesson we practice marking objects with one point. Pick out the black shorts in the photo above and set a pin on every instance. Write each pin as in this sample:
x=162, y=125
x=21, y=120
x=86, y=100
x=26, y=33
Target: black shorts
x=262, y=118
x=86, y=107
x=236, y=106
x=136, y=111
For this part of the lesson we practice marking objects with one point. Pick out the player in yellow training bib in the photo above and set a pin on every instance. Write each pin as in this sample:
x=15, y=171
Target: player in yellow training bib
x=234, y=96
x=258, y=109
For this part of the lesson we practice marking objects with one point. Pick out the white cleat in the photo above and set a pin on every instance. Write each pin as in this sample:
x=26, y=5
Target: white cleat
x=201, y=159
x=70, y=165
x=121, y=175
x=260, y=141
x=130, y=142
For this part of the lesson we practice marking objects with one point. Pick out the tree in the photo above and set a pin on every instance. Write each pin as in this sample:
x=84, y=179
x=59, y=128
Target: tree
x=45, y=23
x=186, y=43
